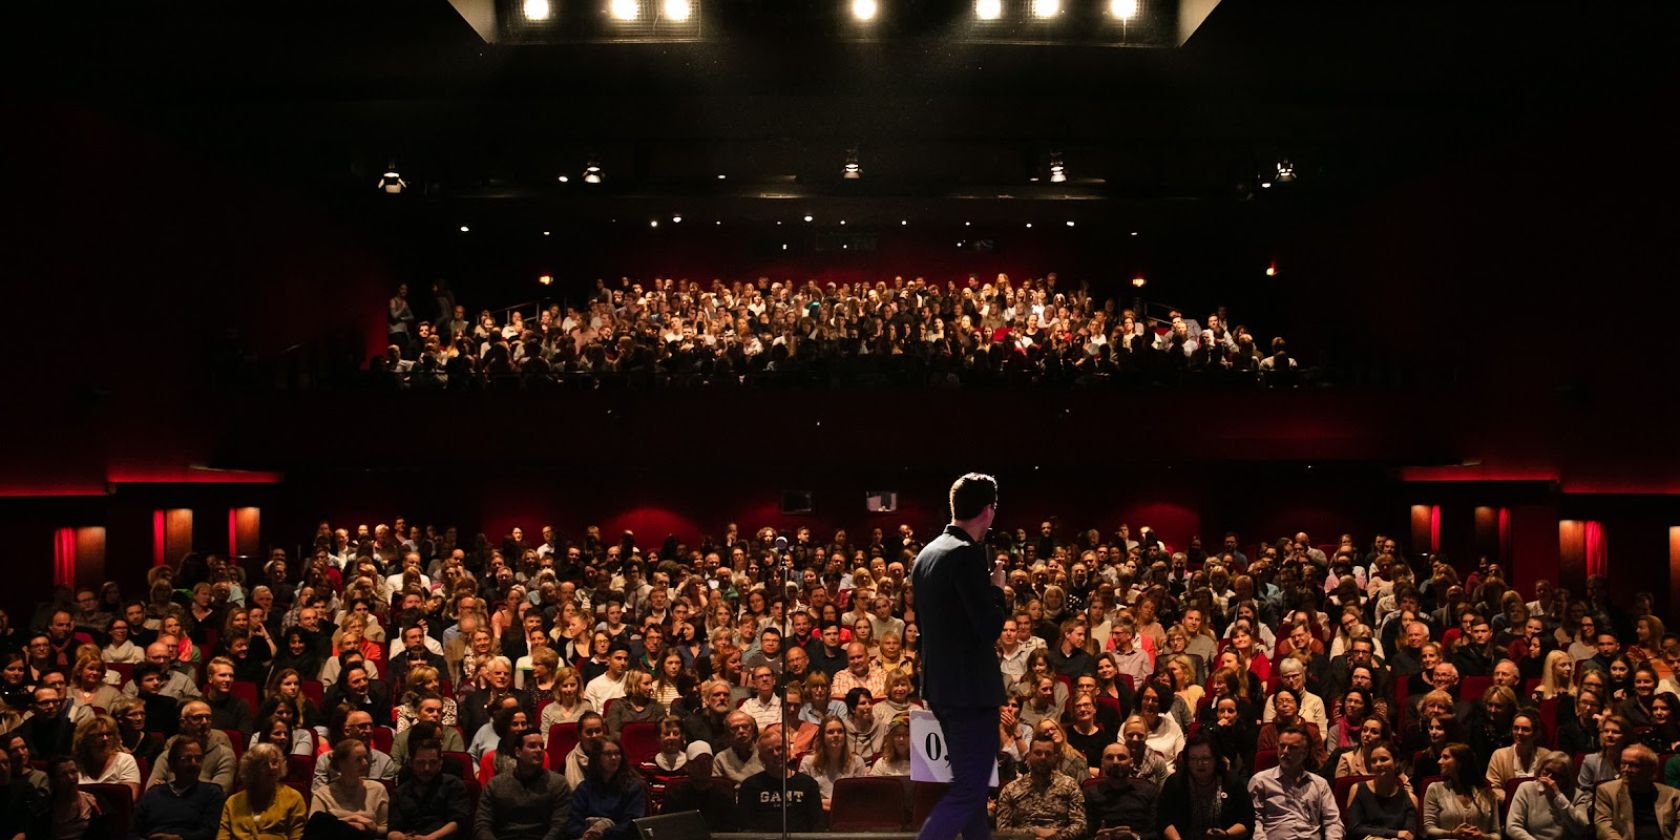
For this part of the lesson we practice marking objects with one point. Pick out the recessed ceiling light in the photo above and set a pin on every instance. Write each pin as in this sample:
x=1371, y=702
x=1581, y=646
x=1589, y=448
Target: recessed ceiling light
x=1029, y=224
x=1070, y=223
x=676, y=218
x=807, y=217
x=653, y=223
x=903, y=222
x=545, y=233
x=464, y=228
x=723, y=177
x=565, y=180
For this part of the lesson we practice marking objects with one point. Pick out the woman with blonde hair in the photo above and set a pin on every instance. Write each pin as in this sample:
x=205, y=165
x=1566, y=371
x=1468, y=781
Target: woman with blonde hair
x=88, y=688
x=568, y=705
x=265, y=809
x=287, y=686
x=100, y=760
x=832, y=760
x=352, y=635
x=422, y=681
x=1648, y=632
x=351, y=805
x=1187, y=693
x=895, y=750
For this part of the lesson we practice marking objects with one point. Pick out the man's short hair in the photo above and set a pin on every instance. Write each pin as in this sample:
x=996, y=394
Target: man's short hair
x=970, y=494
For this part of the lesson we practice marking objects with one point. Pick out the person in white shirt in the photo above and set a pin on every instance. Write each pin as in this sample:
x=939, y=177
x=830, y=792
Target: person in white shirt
x=1012, y=655
x=1294, y=675
x=764, y=707
x=610, y=685
x=410, y=567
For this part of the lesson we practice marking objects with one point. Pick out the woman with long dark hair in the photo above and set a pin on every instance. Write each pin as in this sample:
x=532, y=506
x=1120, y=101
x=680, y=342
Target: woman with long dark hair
x=610, y=796
x=1382, y=806
x=1204, y=798
x=1461, y=799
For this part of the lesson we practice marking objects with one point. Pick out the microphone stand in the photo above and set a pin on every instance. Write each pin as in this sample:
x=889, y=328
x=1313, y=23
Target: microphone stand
x=787, y=575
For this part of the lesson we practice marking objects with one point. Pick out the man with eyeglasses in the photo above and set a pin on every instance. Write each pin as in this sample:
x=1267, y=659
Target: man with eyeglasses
x=47, y=729
x=764, y=707
x=358, y=725
x=1634, y=806
x=218, y=765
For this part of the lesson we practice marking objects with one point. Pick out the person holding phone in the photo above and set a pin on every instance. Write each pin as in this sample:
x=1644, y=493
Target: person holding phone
x=959, y=617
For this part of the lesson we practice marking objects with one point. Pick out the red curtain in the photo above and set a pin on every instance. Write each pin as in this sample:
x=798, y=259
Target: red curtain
x=1598, y=549
x=233, y=532
x=64, y=557
x=159, y=532
x=1505, y=536
x=1434, y=529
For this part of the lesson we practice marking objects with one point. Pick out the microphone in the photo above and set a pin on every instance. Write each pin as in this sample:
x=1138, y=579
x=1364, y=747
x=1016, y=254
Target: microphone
x=781, y=544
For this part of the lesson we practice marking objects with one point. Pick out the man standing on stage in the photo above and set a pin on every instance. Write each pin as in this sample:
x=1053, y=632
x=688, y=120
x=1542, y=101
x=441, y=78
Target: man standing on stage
x=960, y=614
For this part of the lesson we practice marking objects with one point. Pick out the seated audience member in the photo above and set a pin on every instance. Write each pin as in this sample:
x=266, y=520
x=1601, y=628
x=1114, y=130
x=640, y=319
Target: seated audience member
x=477, y=707
x=672, y=756
x=895, y=749
x=1042, y=801
x=489, y=738
x=1383, y=806
x=865, y=729
x=162, y=710
x=427, y=803
x=227, y=711
x=590, y=729
x=1636, y=805
x=356, y=726
x=1579, y=734
x=186, y=807
x=1203, y=799
x=1289, y=801
x=1461, y=806
x=1523, y=758
x=351, y=806
x=70, y=811
x=568, y=704
x=218, y=765
x=1287, y=716
x=1165, y=738
x=508, y=724
x=530, y=803
x=99, y=755
x=636, y=706
x=1604, y=765
x=265, y=809
x=356, y=689
x=132, y=731
x=739, y=761
x=1120, y=806
x=764, y=706
x=48, y=729
x=759, y=805
x=699, y=789
x=832, y=760
x=421, y=682
x=612, y=794
x=448, y=737
x=1547, y=807
x=610, y=685
x=175, y=684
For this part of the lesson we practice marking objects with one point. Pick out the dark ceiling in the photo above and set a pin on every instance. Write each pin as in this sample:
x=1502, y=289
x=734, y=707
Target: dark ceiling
x=1359, y=96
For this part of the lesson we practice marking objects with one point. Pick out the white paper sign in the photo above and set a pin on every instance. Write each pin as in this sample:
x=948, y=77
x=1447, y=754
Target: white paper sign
x=930, y=761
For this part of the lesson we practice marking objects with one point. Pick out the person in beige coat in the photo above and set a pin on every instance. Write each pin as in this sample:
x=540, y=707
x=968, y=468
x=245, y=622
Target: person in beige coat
x=1613, y=811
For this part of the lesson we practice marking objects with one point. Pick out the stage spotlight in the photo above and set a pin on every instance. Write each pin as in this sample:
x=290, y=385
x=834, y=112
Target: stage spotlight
x=903, y=222
x=546, y=280
x=564, y=179
x=545, y=233
x=1139, y=281
x=1285, y=171
x=626, y=9
x=988, y=9
x=807, y=217
x=1123, y=10
x=465, y=229
x=1271, y=270
x=678, y=10
x=865, y=10
x=1058, y=170
x=853, y=170
x=537, y=10
x=593, y=174
x=1070, y=223
x=1042, y=9
x=392, y=183
x=653, y=223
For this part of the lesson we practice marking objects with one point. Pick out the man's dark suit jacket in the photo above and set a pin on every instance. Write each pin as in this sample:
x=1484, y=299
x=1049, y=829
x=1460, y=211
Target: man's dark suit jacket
x=960, y=615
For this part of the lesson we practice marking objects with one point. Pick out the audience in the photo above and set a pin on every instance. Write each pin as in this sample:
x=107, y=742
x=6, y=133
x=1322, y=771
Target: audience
x=683, y=333
x=712, y=646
